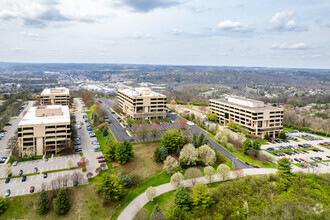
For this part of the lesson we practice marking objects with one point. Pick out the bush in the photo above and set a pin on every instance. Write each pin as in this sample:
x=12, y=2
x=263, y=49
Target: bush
x=127, y=181
x=171, y=140
x=3, y=205
x=61, y=203
x=83, y=169
x=110, y=187
x=163, y=153
x=182, y=199
x=42, y=203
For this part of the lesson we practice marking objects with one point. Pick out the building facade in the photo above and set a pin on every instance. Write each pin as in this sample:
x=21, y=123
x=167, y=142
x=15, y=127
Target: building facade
x=44, y=130
x=142, y=103
x=256, y=117
x=54, y=96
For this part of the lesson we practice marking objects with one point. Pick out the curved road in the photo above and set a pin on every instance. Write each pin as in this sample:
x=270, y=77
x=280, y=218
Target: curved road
x=136, y=204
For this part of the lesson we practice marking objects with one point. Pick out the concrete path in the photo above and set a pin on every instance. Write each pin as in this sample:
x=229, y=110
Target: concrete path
x=134, y=206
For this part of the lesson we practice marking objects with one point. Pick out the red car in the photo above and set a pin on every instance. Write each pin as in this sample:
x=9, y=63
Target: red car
x=32, y=189
x=101, y=161
x=302, y=160
x=283, y=154
x=100, y=157
x=321, y=144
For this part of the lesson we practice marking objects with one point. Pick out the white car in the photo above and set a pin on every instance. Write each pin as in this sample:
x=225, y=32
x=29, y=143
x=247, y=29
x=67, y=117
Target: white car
x=325, y=163
x=97, y=147
x=190, y=123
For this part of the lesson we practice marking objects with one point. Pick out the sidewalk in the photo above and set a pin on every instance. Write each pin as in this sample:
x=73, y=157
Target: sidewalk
x=134, y=207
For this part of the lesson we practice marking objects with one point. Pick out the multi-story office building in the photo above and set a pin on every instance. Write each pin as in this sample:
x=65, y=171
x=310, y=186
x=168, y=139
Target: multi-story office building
x=256, y=117
x=44, y=130
x=54, y=96
x=142, y=103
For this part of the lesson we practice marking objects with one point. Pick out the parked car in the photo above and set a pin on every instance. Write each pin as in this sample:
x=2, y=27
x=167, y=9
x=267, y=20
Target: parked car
x=15, y=163
x=7, y=180
x=303, y=165
x=305, y=151
x=101, y=161
x=97, y=147
x=23, y=178
x=35, y=170
x=46, y=159
x=325, y=163
x=77, y=143
x=45, y=175
x=95, y=142
x=296, y=159
x=302, y=160
x=8, y=192
x=89, y=128
x=20, y=172
x=32, y=189
x=99, y=157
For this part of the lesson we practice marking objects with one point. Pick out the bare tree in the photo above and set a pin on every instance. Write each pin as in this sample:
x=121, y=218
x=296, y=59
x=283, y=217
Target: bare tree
x=142, y=131
x=65, y=180
x=69, y=163
x=29, y=152
x=103, y=165
x=154, y=130
x=77, y=177
x=8, y=169
x=192, y=174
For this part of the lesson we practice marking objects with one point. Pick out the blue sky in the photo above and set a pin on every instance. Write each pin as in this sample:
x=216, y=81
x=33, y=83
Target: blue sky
x=196, y=32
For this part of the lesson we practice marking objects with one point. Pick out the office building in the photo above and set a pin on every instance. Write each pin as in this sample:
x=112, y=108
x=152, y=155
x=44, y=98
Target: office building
x=54, y=96
x=256, y=117
x=44, y=130
x=142, y=103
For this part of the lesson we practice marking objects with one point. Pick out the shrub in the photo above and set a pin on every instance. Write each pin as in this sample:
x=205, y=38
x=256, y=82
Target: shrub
x=110, y=188
x=3, y=205
x=171, y=140
x=124, y=152
x=163, y=154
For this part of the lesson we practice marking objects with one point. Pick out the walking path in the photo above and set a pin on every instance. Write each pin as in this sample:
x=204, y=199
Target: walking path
x=134, y=206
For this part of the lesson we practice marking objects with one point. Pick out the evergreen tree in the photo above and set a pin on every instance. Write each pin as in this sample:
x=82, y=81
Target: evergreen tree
x=157, y=214
x=284, y=167
x=105, y=132
x=194, y=140
x=61, y=203
x=282, y=135
x=177, y=152
x=247, y=145
x=3, y=205
x=163, y=153
x=156, y=155
x=127, y=181
x=182, y=199
x=42, y=203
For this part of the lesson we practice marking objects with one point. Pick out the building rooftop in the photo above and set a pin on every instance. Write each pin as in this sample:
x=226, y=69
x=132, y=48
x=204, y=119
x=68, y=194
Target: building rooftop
x=253, y=105
x=56, y=91
x=49, y=114
x=140, y=92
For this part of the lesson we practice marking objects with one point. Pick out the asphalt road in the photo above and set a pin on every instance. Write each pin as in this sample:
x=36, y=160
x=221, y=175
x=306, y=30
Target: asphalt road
x=118, y=131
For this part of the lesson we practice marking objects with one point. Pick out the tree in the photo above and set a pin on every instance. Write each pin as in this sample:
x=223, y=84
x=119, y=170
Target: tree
x=154, y=130
x=188, y=155
x=207, y=155
x=177, y=152
x=77, y=177
x=201, y=140
x=69, y=163
x=3, y=205
x=156, y=155
x=61, y=203
x=194, y=140
x=110, y=188
x=247, y=145
x=105, y=131
x=42, y=203
x=8, y=169
x=209, y=171
x=223, y=171
x=284, y=167
x=109, y=152
x=176, y=179
x=127, y=181
x=171, y=140
x=192, y=174
x=163, y=153
x=182, y=199
x=124, y=152
x=282, y=135
x=142, y=131
x=212, y=116
x=157, y=214
x=151, y=193
x=267, y=137
x=170, y=164
x=201, y=196
x=238, y=172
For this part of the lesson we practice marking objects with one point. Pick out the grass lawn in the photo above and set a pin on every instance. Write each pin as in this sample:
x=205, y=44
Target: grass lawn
x=245, y=158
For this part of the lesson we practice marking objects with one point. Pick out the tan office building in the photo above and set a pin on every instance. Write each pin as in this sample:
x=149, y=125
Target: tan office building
x=142, y=103
x=44, y=130
x=258, y=118
x=54, y=96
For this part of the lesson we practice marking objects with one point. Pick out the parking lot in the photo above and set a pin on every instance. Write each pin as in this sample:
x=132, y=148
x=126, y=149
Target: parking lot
x=306, y=150
x=18, y=187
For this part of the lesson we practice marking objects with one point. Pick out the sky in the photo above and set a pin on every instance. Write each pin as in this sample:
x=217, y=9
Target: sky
x=266, y=33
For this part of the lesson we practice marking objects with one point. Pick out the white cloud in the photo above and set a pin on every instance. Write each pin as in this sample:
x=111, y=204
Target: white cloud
x=296, y=46
x=29, y=34
x=284, y=21
x=234, y=26
x=139, y=35
x=176, y=32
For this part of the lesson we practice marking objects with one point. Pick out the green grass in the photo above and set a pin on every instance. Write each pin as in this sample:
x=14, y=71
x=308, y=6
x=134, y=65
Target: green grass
x=154, y=181
x=245, y=158
x=60, y=170
x=81, y=154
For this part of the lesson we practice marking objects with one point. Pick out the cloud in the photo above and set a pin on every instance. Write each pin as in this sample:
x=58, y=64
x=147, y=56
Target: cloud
x=284, y=21
x=296, y=46
x=29, y=34
x=233, y=26
x=323, y=22
x=17, y=49
x=148, y=5
x=138, y=35
x=176, y=32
